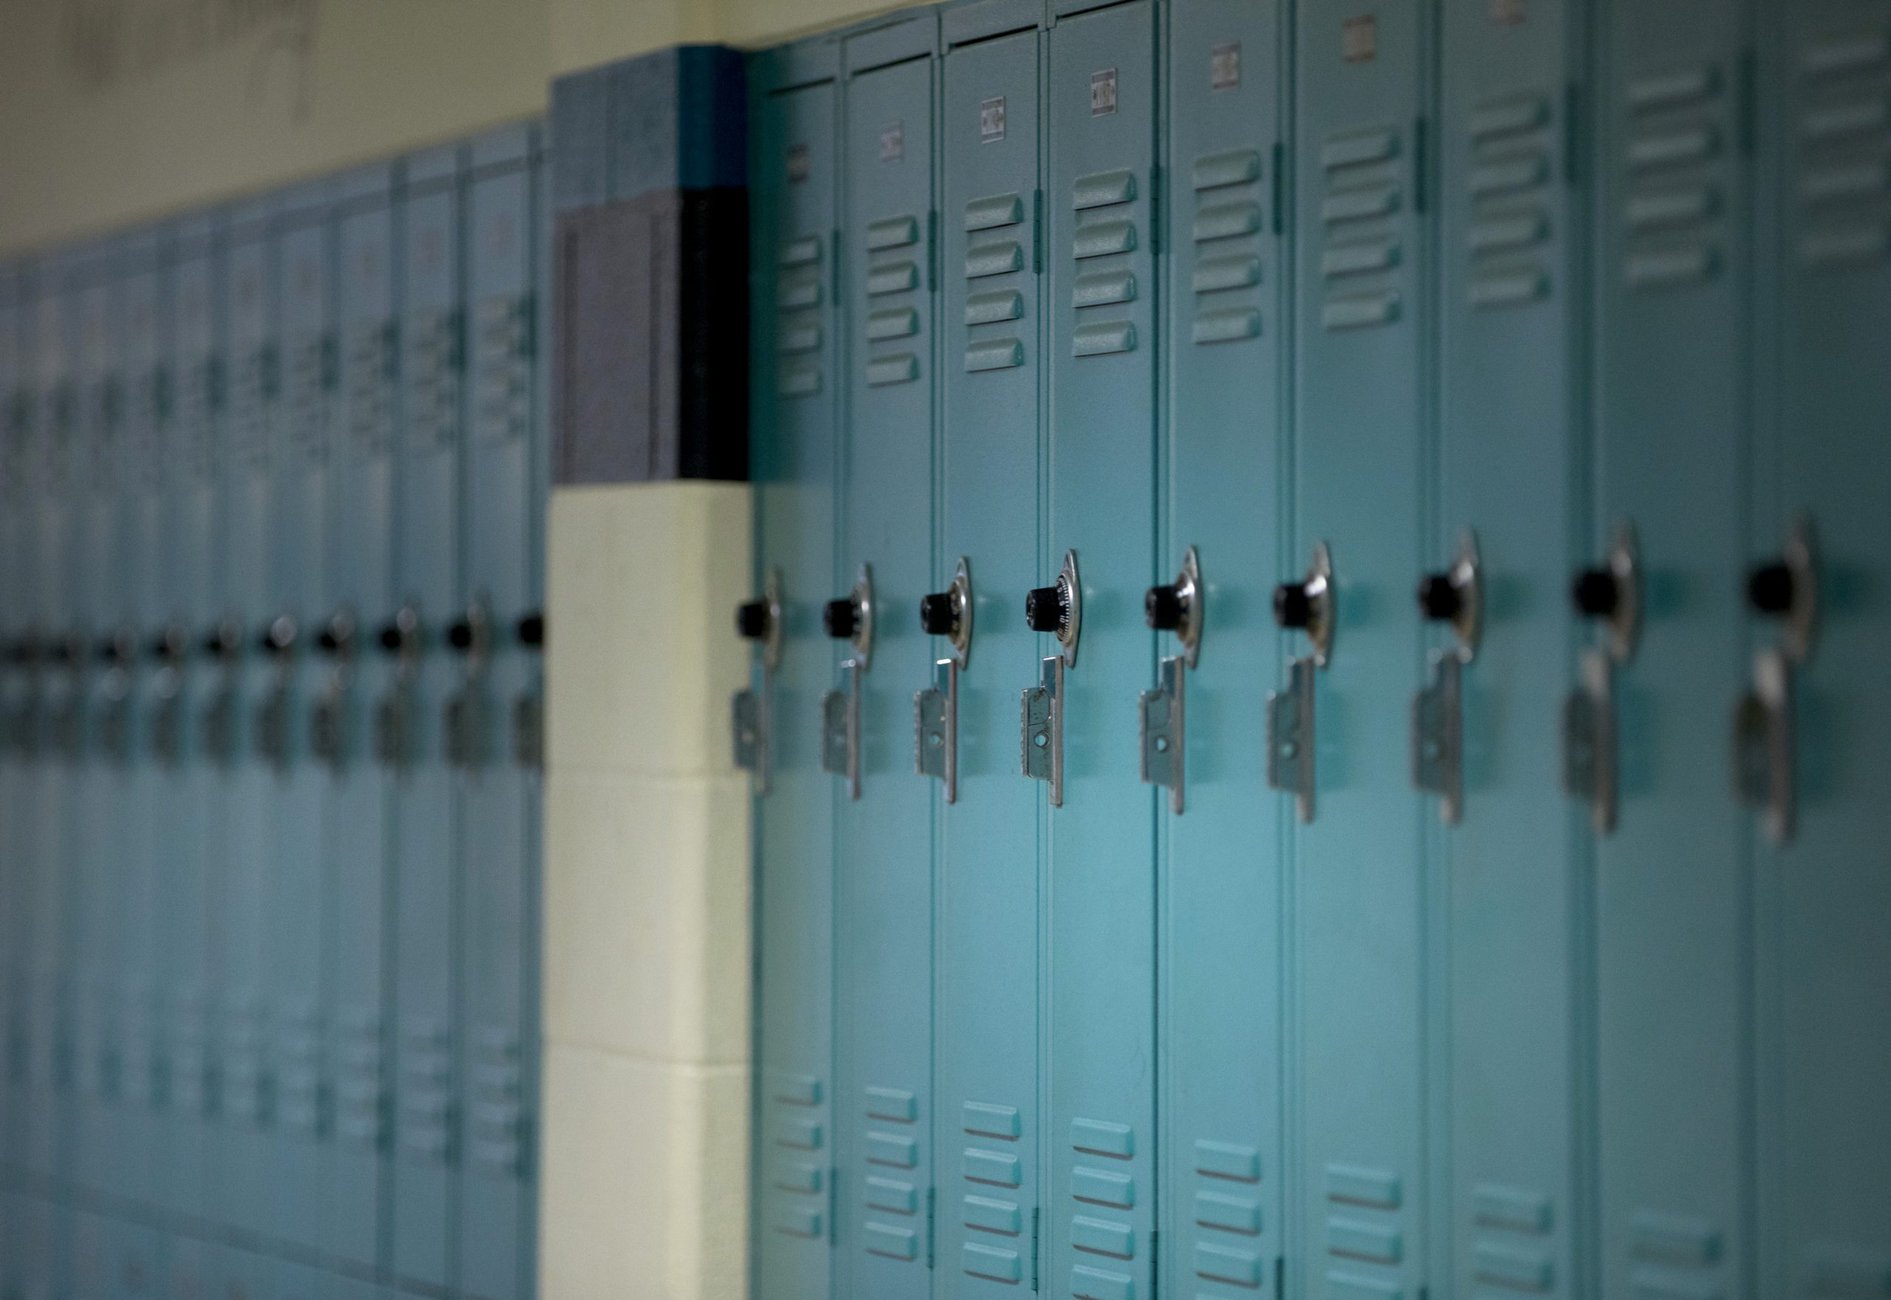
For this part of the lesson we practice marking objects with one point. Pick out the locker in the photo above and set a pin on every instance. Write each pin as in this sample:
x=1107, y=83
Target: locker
x=1513, y=870
x=19, y=716
x=243, y=940
x=426, y=568
x=796, y=462
x=1673, y=892
x=186, y=1273
x=98, y=827
x=1824, y=1194
x=298, y=598
x=985, y=1125
x=882, y=833
x=361, y=503
x=1220, y=984
x=1100, y=109
x=186, y=682
x=1361, y=879
x=494, y=712
x=122, y=725
x=46, y=1235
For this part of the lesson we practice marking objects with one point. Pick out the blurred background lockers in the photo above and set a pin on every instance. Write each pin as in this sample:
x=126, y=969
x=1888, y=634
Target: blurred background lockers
x=1121, y=372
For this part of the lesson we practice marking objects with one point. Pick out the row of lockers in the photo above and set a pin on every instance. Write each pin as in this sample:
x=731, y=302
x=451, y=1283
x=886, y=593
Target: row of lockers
x=269, y=796
x=1379, y=506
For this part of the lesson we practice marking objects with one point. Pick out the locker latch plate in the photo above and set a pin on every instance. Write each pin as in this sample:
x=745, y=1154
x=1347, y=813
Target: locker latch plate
x=840, y=728
x=748, y=735
x=936, y=727
x=1589, y=740
x=1438, y=735
x=1763, y=743
x=1042, y=728
x=1163, y=712
x=1290, y=736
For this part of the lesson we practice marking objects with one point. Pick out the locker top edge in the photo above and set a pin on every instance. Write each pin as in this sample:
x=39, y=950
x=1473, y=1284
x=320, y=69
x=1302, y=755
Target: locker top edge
x=801, y=63
x=431, y=167
x=896, y=42
x=979, y=20
x=362, y=186
x=511, y=145
x=1071, y=8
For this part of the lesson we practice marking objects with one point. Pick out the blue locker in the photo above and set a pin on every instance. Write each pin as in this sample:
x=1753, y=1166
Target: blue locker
x=187, y=1271
x=185, y=685
x=1097, y=556
x=361, y=571
x=498, y=790
x=1513, y=1056
x=1673, y=893
x=985, y=1125
x=97, y=869
x=1220, y=984
x=795, y=467
x=298, y=596
x=18, y=717
x=882, y=834
x=243, y=941
x=1824, y=1170
x=1360, y=879
x=427, y=574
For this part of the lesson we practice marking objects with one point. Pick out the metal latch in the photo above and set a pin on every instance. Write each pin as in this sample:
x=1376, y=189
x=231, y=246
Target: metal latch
x=393, y=712
x=748, y=733
x=1787, y=589
x=1611, y=594
x=465, y=720
x=1308, y=606
x=840, y=728
x=750, y=709
x=120, y=652
x=1454, y=597
x=1057, y=609
x=1178, y=608
x=328, y=716
x=528, y=729
x=219, y=719
x=945, y=614
x=272, y=714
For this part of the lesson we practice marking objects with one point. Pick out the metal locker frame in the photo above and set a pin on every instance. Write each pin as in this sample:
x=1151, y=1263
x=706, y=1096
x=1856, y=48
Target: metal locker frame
x=986, y=1131
x=1363, y=881
x=498, y=795
x=794, y=189
x=1101, y=100
x=427, y=581
x=1670, y=358
x=1225, y=525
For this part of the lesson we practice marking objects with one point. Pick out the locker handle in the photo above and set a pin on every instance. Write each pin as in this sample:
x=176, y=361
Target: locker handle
x=530, y=630
x=1786, y=588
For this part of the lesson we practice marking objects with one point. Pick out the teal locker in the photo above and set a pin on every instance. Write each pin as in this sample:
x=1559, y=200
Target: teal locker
x=1514, y=1143
x=793, y=188
x=882, y=832
x=97, y=872
x=1361, y=884
x=1824, y=1176
x=18, y=717
x=144, y=312
x=296, y=543
x=498, y=791
x=1673, y=894
x=361, y=570
x=427, y=576
x=243, y=940
x=186, y=1273
x=1222, y=1186
x=186, y=681
x=1101, y=103
x=985, y=1125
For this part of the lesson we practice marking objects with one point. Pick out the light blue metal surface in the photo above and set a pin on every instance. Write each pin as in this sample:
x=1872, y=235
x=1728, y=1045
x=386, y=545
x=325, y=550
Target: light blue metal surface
x=498, y=794
x=1512, y=1038
x=1673, y=920
x=883, y=833
x=1223, y=1180
x=795, y=381
x=1824, y=1172
x=985, y=1125
x=355, y=1204
x=427, y=578
x=1101, y=104
x=17, y=718
x=1361, y=883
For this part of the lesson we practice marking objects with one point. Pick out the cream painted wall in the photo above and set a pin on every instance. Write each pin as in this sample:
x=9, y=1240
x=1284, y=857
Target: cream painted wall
x=117, y=111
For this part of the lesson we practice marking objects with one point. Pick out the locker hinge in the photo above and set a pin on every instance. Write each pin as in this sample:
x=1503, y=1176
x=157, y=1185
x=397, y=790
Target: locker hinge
x=932, y=1200
x=932, y=251
x=1156, y=234
x=833, y=1205
x=1037, y=232
x=1421, y=164
x=1278, y=194
x=1037, y=1214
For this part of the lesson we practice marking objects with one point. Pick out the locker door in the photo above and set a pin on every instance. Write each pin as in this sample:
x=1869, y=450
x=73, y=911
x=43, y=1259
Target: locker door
x=1825, y=1180
x=1514, y=869
x=1220, y=983
x=298, y=599
x=362, y=599
x=129, y=686
x=883, y=859
x=98, y=822
x=795, y=467
x=426, y=580
x=1099, y=1084
x=17, y=501
x=192, y=783
x=240, y=897
x=986, y=1122
x=1361, y=889
x=498, y=793
x=1672, y=889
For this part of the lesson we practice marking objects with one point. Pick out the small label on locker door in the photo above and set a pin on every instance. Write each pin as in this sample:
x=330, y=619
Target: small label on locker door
x=1102, y=92
x=892, y=142
x=528, y=730
x=1509, y=13
x=1224, y=66
x=991, y=119
x=799, y=163
x=1359, y=39
x=390, y=727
